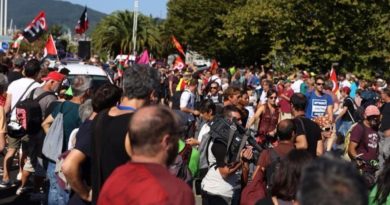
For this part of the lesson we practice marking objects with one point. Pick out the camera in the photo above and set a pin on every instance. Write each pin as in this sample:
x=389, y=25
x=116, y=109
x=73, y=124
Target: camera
x=235, y=137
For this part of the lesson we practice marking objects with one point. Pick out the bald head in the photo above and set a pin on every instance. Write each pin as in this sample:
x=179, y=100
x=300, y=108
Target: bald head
x=285, y=129
x=147, y=128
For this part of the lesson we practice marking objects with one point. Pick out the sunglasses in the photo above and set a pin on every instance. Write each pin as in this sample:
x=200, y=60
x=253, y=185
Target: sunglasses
x=214, y=87
x=319, y=84
x=271, y=98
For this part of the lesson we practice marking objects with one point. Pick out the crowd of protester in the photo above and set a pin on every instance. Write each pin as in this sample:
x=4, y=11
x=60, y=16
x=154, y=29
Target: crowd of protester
x=160, y=135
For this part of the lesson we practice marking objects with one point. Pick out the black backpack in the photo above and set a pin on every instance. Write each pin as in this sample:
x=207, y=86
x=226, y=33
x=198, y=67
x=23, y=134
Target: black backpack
x=176, y=100
x=29, y=113
x=270, y=170
x=180, y=168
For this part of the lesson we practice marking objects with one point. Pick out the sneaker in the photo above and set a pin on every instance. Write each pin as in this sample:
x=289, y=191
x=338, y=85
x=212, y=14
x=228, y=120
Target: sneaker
x=5, y=184
x=21, y=190
x=19, y=176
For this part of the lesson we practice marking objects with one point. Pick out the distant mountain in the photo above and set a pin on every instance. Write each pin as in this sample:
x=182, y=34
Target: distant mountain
x=57, y=12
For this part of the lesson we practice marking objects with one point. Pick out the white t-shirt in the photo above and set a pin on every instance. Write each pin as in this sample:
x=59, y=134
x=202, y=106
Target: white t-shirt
x=345, y=83
x=204, y=130
x=263, y=98
x=17, y=88
x=214, y=183
x=296, y=86
x=187, y=99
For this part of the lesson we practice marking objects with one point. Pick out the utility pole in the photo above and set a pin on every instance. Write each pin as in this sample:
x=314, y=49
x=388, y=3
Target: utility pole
x=135, y=25
x=1, y=17
x=5, y=17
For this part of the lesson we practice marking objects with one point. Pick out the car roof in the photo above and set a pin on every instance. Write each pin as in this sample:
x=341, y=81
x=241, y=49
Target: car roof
x=83, y=69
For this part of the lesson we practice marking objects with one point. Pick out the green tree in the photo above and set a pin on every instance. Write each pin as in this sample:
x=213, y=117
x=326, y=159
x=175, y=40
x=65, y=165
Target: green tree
x=114, y=34
x=286, y=33
x=196, y=24
x=56, y=30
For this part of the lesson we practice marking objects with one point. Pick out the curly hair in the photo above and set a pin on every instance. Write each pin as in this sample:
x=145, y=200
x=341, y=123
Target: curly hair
x=139, y=81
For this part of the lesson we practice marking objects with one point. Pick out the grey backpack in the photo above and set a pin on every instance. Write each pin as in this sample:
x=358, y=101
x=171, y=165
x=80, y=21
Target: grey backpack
x=52, y=145
x=204, y=144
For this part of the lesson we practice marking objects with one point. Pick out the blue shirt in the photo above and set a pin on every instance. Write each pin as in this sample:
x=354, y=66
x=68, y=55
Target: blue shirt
x=317, y=105
x=354, y=88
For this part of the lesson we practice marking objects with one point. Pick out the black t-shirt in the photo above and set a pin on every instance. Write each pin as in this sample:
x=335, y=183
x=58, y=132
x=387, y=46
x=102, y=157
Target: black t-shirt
x=12, y=76
x=348, y=102
x=312, y=132
x=51, y=107
x=268, y=201
x=219, y=151
x=108, y=147
x=265, y=201
x=385, y=112
x=83, y=144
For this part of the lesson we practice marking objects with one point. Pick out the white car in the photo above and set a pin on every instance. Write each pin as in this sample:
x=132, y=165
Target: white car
x=98, y=75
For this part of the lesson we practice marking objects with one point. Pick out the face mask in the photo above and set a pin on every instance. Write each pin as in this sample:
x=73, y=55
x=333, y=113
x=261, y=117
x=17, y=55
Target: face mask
x=374, y=123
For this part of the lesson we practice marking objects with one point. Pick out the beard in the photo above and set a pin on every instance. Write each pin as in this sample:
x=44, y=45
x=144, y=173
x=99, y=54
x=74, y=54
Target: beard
x=172, y=153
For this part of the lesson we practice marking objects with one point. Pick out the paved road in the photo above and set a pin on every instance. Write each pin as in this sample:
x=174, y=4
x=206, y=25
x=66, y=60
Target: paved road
x=8, y=196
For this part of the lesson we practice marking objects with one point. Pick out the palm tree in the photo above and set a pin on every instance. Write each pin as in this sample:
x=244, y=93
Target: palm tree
x=113, y=34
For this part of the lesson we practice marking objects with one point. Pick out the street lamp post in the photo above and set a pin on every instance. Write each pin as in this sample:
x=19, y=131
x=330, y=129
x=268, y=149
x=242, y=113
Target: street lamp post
x=135, y=22
x=5, y=17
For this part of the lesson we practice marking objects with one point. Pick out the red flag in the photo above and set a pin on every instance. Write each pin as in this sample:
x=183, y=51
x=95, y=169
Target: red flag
x=50, y=48
x=214, y=65
x=82, y=24
x=333, y=78
x=36, y=28
x=179, y=63
x=178, y=46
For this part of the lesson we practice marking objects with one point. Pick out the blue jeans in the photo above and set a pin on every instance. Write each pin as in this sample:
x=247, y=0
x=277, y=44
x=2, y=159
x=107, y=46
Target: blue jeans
x=57, y=196
x=344, y=127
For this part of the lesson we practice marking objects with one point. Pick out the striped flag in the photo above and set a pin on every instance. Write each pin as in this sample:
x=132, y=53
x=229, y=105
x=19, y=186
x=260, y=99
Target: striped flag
x=82, y=24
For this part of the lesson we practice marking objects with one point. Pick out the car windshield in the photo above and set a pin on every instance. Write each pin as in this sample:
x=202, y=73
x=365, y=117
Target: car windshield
x=97, y=80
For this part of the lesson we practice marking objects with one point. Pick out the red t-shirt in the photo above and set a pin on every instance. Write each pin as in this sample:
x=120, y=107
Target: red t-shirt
x=282, y=149
x=2, y=100
x=284, y=104
x=144, y=183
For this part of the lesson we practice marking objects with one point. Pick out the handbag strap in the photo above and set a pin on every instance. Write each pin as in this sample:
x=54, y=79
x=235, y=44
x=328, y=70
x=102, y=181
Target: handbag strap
x=13, y=108
x=354, y=106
